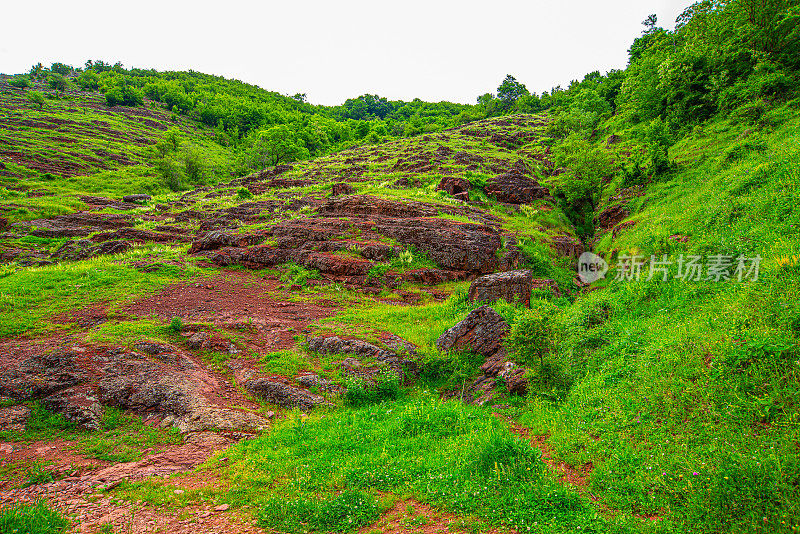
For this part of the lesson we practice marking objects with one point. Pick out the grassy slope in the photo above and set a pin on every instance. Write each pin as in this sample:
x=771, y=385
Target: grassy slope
x=77, y=145
x=682, y=395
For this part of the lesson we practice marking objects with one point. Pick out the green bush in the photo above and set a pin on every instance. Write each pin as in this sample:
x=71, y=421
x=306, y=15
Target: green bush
x=88, y=80
x=20, y=82
x=34, y=518
x=298, y=274
x=244, y=193
x=124, y=95
x=175, y=325
x=36, y=97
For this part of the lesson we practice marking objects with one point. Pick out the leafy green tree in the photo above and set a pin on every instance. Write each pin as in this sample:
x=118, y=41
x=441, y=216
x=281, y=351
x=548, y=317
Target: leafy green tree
x=88, y=80
x=37, y=98
x=61, y=68
x=533, y=335
x=489, y=104
x=57, y=82
x=124, y=95
x=275, y=145
x=509, y=91
x=37, y=71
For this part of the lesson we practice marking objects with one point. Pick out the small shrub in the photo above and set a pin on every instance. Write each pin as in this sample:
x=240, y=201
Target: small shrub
x=531, y=337
x=298, y=274
x=175, y=325
x=244, y=193
x=360, y=392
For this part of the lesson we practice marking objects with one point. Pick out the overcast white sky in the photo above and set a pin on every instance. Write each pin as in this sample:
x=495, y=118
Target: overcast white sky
x=333, y=50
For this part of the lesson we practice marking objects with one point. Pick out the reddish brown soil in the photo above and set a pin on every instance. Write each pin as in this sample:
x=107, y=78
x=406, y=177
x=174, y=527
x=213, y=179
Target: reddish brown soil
x=77, y=492
x=408, y=515
x=239, y=301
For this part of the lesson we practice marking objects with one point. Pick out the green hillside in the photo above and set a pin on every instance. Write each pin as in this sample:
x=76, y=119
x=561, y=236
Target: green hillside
x=272, y=314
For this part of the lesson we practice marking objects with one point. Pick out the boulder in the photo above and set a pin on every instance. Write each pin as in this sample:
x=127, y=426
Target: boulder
x=314, y=381
x=610, y=216
x=515, y=188
x=197, y=340
x=482, y=331
x=455, y=186
x=282, y=394
x=79, y=405
x=363, y=350
x=138, y=199
x=14, y=418
x=81, y=249
x=566, y=245
x=41, y=375
x=215, y=240
x=511, y=286
x=341, y=188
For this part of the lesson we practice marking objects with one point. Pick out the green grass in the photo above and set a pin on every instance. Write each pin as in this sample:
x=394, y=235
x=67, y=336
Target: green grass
x=35, y=518
x=31, y=297
x=453, y=456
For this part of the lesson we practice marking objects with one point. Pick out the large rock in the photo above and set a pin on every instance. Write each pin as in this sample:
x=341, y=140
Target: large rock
x=41, y=375
x=455, y=186
x=482, y=331
x=14, y=418
x=566, y=245
x=610, y=216
x=515, y=188
x=363, y=350
x=140, y=198
x=218, y=239
x=510, y=286
x=79, y=405
x=282, y=394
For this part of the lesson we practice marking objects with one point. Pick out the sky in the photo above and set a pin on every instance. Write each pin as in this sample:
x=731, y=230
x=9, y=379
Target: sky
x=333, y=50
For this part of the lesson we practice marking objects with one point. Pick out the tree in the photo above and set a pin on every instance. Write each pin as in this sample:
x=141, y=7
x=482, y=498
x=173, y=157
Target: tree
x=88, y=80
x=57, y=82
x=510, y=90
x=488, y=102
x=37, y=98
x=37, y=70
x=300, y=97
x=61, y=68
x=275, y=145
x=124, y=95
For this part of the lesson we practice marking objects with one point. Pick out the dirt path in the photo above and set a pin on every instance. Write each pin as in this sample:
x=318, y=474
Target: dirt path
x=567, y=474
